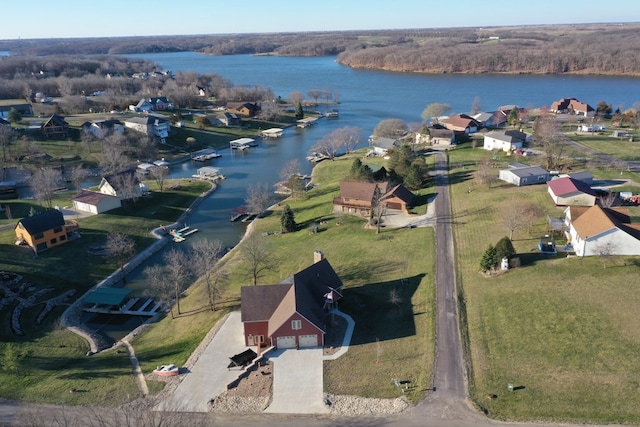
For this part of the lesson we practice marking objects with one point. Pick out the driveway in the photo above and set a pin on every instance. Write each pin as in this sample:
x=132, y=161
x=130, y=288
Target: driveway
x=209, y=375
x=297, y=381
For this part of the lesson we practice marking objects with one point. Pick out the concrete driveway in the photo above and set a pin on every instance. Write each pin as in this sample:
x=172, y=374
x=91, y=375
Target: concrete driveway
x=297, y=381
x=209, y=375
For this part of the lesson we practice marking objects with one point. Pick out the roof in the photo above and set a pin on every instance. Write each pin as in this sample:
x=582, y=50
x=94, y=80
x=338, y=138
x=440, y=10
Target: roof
x=567, y=186
x=570, y=104
x=107, y=296
x=461, y=120
x=595, y=220
x=401, y=192
x=526, y=171
x=91, y=197
x=302, y=293
x=45, y=221
x=116, y=179
x=148, y=120
x=384, y=142
x=357, y=190
x=55, y=120
x=510, y=136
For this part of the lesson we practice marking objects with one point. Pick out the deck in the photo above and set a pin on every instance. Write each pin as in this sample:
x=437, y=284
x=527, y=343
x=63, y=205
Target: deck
x=133, y=307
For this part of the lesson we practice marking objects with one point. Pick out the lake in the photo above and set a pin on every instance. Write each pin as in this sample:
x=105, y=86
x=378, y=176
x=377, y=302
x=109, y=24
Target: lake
x=366, y=97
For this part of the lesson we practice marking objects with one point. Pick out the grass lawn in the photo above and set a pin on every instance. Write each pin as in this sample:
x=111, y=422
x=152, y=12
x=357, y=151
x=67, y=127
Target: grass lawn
x=621, y=148
x=370, y=265
x=50, y=361
x=562, y=330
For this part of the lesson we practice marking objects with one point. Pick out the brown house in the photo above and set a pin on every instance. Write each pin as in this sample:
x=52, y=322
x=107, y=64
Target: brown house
x=244, y=109
x=55, y=127
x=358, y=197
x=44, y=230
x=292, y=313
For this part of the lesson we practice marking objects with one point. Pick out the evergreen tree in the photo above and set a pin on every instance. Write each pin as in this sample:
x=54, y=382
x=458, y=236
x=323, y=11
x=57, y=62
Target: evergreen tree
x=413, y=178
x=287, y=220
x=14, y=116
x=400, y=160
x=489, y=259
x=359, y=171
x=299, y=111
x=514, y=117
x=504, y=248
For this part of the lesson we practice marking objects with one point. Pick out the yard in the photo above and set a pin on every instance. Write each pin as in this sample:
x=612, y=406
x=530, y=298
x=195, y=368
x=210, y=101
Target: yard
x=563, y=331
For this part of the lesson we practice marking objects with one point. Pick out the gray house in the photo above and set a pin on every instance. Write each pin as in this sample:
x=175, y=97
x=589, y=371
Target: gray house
x=520, y=174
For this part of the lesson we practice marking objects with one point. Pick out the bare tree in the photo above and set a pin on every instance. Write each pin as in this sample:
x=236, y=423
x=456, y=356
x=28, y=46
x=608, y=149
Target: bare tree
x=514, y=216
x=255, y=251
x=6, y=136
x=270, y=110
x=605, y=250
x=205, y=255
x=119, y=249
x=475, y=107
x=485, y=173
x=175, y=263
x=291, y=168
x=258, y=199
x=296, y=97
x=78, y=175
x=547, y=136
x=128, y=185
x=350, y=136
x=607, y=200
x=158, y=285
x=531, y=213
x=112, y=158
x=44, y=183
x=435, y=111
x=315, y=94
x=390, y=128
x=159, y=175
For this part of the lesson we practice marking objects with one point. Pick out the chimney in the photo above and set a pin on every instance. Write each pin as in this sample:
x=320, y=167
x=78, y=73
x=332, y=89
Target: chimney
x=317, y=256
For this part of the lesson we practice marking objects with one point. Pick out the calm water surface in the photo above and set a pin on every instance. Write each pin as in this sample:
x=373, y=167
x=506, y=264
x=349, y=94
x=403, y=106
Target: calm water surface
x=366, y=97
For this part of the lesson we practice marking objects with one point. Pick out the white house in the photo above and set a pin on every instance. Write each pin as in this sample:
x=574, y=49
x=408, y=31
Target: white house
x=124, y=185
x=94, y=202
x=601, y=231
x=382, y=145
x=508, y=140
x=150, y=126
x=519, y=174
x=103, y=128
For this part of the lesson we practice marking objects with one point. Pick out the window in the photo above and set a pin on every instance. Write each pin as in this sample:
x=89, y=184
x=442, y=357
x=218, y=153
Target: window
x=296, y=324
x=63, y=238
x=54, y=241
x=57, y=229
x=38, y=236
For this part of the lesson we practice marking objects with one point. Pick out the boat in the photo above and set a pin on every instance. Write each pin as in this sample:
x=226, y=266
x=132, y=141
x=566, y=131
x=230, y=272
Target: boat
x=205, y=157
x=170, y=370
x=316, y=157
x=332, y=113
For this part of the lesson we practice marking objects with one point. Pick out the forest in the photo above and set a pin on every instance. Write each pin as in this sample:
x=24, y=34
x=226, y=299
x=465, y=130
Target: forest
x=597, y=49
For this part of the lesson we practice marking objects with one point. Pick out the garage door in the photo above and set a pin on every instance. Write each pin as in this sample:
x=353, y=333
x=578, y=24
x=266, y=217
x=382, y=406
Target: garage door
x=308, y=340
x=286, y=342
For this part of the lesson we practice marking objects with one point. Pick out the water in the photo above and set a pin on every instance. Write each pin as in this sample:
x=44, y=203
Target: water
x=366, y=97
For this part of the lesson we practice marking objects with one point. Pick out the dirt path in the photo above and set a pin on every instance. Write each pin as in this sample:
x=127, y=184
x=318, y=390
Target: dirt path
x=137, y=372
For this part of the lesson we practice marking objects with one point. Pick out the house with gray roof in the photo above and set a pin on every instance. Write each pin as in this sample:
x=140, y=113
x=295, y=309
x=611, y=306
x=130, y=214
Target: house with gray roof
x=506, y=141
x=519, y=175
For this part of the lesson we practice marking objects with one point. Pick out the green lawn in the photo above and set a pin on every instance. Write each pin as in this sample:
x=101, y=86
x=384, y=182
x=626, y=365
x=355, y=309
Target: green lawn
x=51, y=361
x=562, y=330
x=370, y=265
x=621, y=148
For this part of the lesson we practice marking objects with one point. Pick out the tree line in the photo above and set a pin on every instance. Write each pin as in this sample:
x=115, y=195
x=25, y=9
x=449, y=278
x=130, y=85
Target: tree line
x=551, y=49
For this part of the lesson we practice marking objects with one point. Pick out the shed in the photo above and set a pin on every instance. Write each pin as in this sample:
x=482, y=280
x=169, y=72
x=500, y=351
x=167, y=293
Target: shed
x=95, y=202
x=519, y=174
x=571, y=192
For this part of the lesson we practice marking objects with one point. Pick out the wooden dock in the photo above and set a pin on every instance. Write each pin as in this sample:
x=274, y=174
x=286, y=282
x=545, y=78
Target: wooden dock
x=134, y=307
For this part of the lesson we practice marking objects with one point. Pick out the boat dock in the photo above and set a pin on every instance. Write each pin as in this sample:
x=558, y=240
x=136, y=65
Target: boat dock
x=181, y=235
x=309, y=121
x=241, y=143
x=133, y=307
x=272, y=133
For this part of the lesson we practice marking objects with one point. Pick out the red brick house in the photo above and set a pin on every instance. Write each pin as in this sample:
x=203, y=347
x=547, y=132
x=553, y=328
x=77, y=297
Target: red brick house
x=292, y=313
x=461, y=123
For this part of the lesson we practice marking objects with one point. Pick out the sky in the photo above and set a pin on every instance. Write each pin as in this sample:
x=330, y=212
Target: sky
x=115, y=18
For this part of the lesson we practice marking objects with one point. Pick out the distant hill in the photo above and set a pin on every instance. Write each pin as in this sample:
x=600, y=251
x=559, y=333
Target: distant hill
x=607, y=49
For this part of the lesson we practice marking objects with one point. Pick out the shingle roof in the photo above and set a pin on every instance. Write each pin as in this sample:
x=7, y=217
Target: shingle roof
x=90, y=197
x=596, y=220
x=528, y=171
x=357, y=190
x=45, y=221
x=401, y=192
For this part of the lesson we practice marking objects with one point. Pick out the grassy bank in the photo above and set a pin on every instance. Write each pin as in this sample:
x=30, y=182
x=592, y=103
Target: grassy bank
x=561, y=330
x=46, y=362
